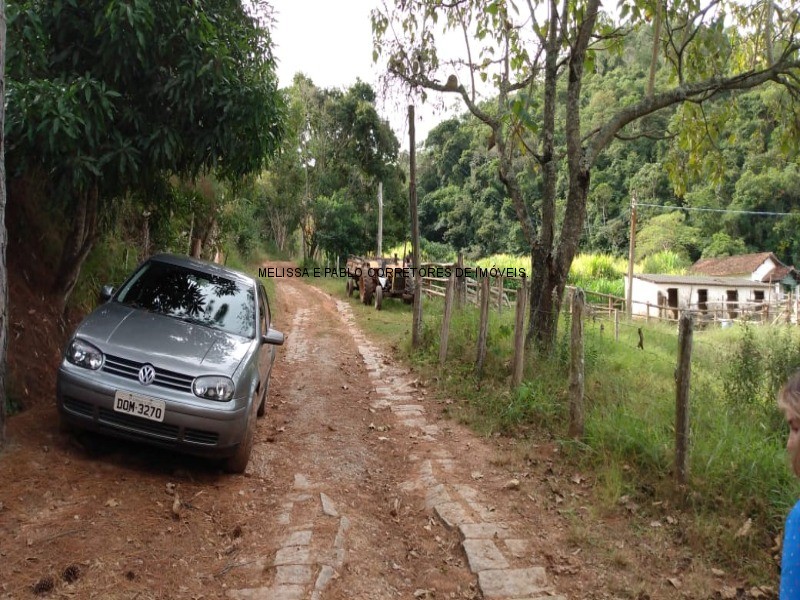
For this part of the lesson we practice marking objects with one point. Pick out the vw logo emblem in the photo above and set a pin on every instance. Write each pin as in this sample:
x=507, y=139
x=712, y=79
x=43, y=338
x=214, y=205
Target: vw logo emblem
x=147, y=374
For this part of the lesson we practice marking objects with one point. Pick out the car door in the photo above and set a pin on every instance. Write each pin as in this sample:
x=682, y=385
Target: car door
x=266, y=351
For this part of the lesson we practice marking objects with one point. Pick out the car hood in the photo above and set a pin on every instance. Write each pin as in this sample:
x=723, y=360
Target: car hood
x=150, y=337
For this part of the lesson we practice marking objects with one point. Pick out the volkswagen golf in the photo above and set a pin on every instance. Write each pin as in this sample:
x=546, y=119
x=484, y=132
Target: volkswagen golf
x=179, y=356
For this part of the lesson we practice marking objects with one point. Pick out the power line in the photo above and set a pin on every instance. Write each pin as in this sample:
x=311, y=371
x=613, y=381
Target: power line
x=721, y=210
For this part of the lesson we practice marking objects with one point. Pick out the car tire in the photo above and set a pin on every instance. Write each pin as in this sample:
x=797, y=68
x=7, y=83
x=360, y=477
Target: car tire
x=262, y=407
x=65, y=427
x=238, y=462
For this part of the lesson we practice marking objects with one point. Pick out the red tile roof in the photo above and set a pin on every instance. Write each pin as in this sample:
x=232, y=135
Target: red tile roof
x=732, y=266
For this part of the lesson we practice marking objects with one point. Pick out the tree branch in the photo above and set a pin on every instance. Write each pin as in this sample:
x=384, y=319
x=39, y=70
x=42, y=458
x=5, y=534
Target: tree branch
x=697, y=92
x=424, y=82
x=469, y=53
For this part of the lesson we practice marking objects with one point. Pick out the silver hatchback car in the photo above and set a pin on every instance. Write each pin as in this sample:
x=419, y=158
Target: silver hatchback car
x=180, y=357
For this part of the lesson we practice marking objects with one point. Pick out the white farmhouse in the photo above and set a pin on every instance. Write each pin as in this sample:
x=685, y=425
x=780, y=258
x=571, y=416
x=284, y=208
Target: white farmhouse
x=722, y=288
x=666, y=296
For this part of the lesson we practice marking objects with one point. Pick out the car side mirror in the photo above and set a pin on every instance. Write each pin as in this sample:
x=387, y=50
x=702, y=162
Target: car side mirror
x=106, y=292
x=273, y=337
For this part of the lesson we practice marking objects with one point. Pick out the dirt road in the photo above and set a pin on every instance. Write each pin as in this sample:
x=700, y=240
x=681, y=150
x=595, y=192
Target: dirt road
x=356, y=489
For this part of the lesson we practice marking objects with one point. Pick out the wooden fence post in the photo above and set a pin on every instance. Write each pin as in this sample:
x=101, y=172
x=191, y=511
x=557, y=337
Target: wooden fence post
x=448, y=311
x=519, y=334
x=416, y=260
x=499, y=294
x=616, y=325
x=461, y=283
x=682, y=380
x=484, y=325
x=576, y=363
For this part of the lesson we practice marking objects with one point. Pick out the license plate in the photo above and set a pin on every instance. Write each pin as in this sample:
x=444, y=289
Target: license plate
x=140, y=406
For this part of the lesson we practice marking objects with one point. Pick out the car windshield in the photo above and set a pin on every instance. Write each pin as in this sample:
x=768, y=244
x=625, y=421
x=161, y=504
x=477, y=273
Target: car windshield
x=192, y=296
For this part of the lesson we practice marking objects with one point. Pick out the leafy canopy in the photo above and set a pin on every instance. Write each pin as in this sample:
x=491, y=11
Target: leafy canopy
x=116, y=93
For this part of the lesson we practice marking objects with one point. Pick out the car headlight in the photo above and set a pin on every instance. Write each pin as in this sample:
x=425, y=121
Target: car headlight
x=213, y=387
x=84, y=355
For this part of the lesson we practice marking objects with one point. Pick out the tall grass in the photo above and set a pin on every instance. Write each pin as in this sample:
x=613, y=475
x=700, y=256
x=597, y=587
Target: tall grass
x=506, y=261
x=429, y=251
x=598, y=273
x=738, y=468
x=665, y=262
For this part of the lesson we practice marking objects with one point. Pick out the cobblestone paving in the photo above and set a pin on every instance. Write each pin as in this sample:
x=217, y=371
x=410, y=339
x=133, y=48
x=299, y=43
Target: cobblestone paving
x=495, y=553
x=313, y=532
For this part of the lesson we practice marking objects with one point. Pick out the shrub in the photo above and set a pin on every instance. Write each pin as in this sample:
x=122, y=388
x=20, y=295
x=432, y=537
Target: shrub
x=666, y=262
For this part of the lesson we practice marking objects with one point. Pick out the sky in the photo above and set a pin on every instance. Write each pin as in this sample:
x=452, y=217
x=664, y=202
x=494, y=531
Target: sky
x=330, y=41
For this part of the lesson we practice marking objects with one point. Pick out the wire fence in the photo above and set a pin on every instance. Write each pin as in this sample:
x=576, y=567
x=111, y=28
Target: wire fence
x=613, y=325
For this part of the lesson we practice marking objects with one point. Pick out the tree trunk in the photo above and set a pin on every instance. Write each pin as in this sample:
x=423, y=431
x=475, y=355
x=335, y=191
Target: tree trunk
x=210, y=239
x=80, y=241
x=3, y=269
x=541, y=326
x=279, y=226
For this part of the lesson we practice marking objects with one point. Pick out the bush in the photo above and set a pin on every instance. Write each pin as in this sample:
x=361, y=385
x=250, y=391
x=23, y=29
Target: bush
x=666, y=262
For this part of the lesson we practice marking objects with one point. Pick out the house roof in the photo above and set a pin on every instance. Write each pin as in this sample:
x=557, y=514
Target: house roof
x=781, y=273
x=731, y=266
x=701, y=280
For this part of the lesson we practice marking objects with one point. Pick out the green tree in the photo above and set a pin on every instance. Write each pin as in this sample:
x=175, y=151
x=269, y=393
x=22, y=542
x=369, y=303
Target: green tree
x=537, y=67
x=462, y=200
x=341, y=226
x=722, y=244
x=667, y=232
x=106, y=97
x=338, y=150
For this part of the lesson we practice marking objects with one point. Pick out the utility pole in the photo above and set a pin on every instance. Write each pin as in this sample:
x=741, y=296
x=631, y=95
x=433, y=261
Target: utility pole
x=380, y=218
x=631, y=255
x=416, y=324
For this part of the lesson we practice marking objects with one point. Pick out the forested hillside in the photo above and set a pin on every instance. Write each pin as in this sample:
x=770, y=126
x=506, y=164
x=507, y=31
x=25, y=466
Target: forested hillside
x=747, y=163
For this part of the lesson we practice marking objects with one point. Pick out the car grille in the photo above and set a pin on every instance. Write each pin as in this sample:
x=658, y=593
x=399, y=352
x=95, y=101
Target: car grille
x=152, y=428
x=78, y=406
x=142, y=427
x=129, y=369
x=196, y=436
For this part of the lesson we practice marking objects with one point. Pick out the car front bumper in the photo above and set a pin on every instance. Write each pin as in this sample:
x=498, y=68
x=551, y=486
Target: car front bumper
x=191, y=425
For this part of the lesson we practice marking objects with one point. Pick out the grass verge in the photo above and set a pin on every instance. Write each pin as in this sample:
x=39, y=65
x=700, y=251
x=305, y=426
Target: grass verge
x=738, y=469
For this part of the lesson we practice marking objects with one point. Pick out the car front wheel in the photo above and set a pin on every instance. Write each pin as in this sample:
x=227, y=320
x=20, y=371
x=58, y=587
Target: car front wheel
x=262, y=407
x=238, y=462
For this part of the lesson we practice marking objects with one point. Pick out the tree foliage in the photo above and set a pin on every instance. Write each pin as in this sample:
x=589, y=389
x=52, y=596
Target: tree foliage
x=337, y=150
x=106, y=98
x=539, y=59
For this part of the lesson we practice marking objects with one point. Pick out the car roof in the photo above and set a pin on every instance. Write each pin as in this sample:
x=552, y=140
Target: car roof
x=203, y=266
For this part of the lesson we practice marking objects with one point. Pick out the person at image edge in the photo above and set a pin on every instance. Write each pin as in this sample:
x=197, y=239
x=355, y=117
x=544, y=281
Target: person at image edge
x=789, y=403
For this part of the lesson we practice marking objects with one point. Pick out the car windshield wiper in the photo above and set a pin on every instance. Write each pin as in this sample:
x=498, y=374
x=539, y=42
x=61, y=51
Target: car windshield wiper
x=193, y=320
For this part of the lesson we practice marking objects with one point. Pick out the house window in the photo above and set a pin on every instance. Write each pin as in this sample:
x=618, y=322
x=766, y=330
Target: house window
x=702, y=300
x=672, y=297
x=758, y=298
x=732, y=303
x=672, y=301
